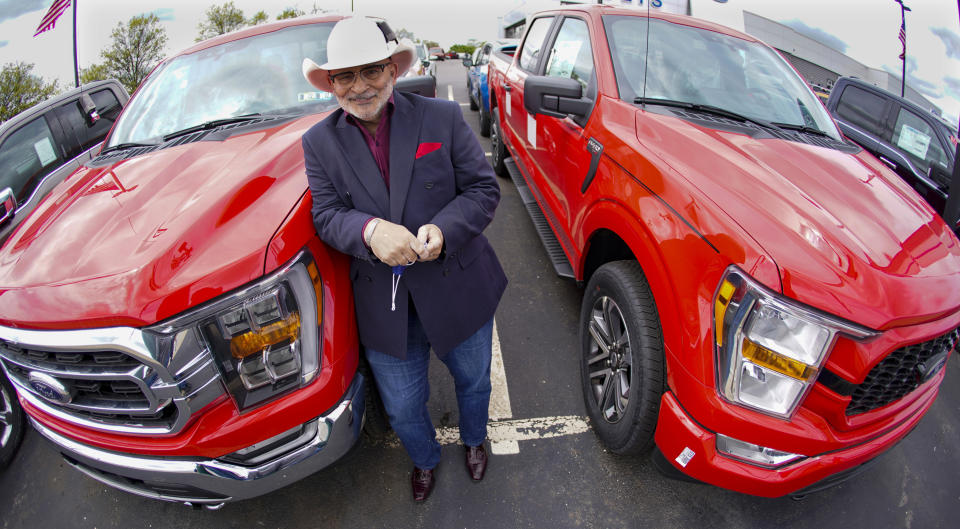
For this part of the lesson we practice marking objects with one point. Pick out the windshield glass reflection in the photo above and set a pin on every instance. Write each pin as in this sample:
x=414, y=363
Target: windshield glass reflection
x=708, y=68
x=255, y=75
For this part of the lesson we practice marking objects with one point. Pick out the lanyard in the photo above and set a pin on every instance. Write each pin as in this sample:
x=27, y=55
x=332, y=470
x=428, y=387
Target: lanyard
x=394, y=285
x=395, y=282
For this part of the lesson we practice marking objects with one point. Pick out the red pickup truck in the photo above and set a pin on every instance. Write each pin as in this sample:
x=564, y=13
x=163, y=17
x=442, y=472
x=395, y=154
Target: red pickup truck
x=766, y=303
x=168, y=315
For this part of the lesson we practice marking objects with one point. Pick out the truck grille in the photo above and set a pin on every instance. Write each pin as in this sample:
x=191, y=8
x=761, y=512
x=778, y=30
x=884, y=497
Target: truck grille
x=106, y=379
x=104, y=386
x=895, y=376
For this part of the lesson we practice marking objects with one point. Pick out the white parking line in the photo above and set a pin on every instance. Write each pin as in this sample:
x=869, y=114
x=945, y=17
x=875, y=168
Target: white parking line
x=500, y=433
x=450, y=92
x=499, y=398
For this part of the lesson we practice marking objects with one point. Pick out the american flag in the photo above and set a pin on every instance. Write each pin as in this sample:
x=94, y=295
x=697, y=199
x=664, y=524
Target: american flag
x=50, y=19
x=903, y=40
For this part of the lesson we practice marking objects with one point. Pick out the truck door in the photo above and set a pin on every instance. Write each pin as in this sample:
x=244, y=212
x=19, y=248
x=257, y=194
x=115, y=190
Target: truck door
x=561, y=152
x=529, y=62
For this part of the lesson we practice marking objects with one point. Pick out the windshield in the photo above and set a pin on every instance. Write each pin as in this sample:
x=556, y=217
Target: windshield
x=254, y=75
x=703, y=67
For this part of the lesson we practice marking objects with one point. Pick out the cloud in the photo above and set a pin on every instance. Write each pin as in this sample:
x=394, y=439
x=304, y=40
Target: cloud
x=952, y=85
x=164, y=13
x=950, y=40
x=920, y=85
x=818, y=35
x=10, y=9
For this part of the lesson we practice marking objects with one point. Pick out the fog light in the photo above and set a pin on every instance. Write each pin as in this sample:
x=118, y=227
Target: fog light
x=752, y=453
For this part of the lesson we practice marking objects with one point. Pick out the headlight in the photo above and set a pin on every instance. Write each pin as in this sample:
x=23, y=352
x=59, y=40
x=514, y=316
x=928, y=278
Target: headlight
x=769, y=349
x=265, y=337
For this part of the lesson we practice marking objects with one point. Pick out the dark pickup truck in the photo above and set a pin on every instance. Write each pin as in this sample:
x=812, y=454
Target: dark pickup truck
x=916, y=144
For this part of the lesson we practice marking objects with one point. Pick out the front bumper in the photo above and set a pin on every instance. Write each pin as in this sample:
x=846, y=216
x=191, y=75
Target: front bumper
x=678, y=433
x=199, y=481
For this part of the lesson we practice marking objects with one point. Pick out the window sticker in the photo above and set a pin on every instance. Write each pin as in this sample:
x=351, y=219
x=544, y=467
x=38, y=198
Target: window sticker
x=508, y=104
x=307, y=97
x=45, y=152
x=532, y=131
x=913, y=141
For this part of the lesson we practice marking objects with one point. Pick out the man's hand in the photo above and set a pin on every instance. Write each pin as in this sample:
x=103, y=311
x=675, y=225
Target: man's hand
x=431, y=242
x=393, y=244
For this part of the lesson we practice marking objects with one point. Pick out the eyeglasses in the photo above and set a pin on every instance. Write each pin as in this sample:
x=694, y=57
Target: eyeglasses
x=370, y=73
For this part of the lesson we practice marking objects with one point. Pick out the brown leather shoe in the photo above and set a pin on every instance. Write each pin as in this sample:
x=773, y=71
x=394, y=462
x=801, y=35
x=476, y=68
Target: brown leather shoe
x=476, y=461
x=422, y=481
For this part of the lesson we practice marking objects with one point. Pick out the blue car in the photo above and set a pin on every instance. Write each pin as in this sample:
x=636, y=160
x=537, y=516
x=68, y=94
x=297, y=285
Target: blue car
x=477, y=78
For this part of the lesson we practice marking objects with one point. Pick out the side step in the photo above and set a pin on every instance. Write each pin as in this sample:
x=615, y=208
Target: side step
x=550, y=243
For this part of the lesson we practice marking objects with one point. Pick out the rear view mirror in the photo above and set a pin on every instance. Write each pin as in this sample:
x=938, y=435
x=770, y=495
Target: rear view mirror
x=8, y=205
x=89, y=109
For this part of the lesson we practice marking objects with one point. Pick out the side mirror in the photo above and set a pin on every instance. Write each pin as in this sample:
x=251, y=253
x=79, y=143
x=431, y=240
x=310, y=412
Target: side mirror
x=554, y=96
x=8, y=205
x=468, y=62
x=89, y=109
x=426, y=63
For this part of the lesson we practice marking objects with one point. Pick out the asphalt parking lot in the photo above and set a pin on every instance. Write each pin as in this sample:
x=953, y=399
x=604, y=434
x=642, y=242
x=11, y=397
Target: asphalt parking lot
x=548, y=468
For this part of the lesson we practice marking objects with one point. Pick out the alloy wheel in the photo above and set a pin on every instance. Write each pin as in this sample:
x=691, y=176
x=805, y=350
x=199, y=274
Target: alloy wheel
x=609, y=359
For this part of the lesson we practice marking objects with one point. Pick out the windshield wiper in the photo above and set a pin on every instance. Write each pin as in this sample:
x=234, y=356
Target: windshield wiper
x=710, y=109
x=128, y=145
x=801, y=128
x=211, y=125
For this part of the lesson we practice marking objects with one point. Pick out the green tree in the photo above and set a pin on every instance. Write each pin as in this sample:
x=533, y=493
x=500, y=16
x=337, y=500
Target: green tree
x=137, y=47
x=220, y=19
x=290, y=12
x=259, y=18
x=431, y=44
x=96, y=72
x=402, y=33
x=20, y=89
x=462, y=48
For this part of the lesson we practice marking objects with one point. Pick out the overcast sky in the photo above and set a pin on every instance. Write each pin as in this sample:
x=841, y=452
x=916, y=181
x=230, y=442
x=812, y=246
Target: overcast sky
x=866, y=30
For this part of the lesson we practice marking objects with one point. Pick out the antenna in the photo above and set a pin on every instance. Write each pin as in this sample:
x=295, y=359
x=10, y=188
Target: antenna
x=646, y=62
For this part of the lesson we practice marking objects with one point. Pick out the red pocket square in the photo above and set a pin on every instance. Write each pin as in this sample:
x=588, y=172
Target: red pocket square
x=427, y=148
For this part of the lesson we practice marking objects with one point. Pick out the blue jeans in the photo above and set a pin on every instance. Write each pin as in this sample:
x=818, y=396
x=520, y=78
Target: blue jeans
x=405, y=388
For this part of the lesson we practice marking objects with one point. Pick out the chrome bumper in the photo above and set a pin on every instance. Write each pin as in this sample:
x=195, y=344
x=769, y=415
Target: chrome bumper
x=209, y=482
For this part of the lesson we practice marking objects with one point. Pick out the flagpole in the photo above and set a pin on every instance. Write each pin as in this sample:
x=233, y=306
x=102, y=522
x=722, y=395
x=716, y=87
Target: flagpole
x=76, y=67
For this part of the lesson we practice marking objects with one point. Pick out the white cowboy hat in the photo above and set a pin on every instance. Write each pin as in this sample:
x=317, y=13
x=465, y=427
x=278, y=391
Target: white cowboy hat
x=356, y=41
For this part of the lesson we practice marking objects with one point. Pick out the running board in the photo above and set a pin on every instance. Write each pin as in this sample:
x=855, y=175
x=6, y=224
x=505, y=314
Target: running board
x=550, y=243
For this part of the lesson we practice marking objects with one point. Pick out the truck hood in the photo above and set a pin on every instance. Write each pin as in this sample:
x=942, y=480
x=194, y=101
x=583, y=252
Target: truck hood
x=147, y=237
x=847, y=234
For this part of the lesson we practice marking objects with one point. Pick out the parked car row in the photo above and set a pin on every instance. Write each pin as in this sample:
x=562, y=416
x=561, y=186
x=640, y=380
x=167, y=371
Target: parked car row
x=768, y=307
x=477, y=89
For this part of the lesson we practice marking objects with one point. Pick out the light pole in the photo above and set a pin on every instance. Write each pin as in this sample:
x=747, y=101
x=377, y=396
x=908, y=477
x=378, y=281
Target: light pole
x=903, y=40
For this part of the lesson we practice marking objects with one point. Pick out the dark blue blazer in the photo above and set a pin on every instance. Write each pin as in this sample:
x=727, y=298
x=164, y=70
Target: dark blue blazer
x=438, y=175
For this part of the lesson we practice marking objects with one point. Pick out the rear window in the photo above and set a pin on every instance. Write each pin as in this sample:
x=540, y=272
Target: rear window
x=863, y=109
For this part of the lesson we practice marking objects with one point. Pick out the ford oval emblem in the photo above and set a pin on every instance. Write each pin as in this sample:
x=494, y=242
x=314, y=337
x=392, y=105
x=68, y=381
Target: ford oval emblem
x=50, y=388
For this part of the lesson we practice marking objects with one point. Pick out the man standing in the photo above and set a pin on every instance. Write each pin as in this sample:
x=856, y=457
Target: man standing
x=383, y=167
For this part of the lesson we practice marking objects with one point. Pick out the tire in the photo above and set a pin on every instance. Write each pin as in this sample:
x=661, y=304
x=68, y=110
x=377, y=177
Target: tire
x=12, y=422
x=376, y=425
x=622, y=387
x=473, y=102
x=498, y=151
x=484, y=123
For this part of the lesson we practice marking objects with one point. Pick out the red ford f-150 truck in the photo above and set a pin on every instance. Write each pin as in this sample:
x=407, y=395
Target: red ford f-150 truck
x=168, y=315
x=766, y=303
